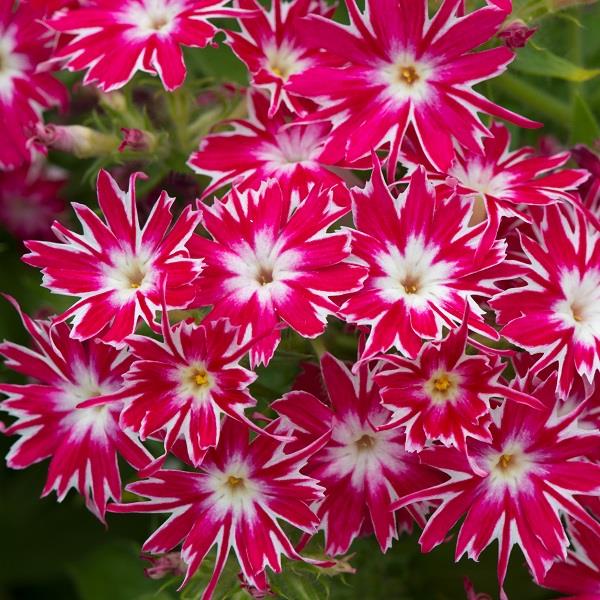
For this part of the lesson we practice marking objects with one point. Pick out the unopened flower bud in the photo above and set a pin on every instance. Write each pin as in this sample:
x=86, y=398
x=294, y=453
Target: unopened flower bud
x=586, y=159
x=81, y=141
x=167, y=564
x=113, y=100
x=516, y=34
x=137, y=140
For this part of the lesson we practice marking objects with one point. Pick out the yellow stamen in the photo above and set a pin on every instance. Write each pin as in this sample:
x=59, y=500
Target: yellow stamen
x=505, y=460
x=277, y=71
x=265, y=276
x=134, y=286
x=366, y=441
x=442, y=383
x=408, y=75
x=234, y=481
x=200, y=378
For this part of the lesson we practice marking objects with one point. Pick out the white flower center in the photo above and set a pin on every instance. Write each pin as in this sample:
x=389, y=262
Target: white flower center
x=509, y=467
x=294, y=145
x=12, y=64
x=283, y=61
x=196, y=381
x=442, y=386
x=261, y=268
x=233, y=488
x=580, y=307
x=481, y=178
x=151, y=17
x=415, y=276
x=406, y=77
x=129, y=274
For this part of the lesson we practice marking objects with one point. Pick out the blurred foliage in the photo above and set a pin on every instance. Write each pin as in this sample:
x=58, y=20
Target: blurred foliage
x=60, y=551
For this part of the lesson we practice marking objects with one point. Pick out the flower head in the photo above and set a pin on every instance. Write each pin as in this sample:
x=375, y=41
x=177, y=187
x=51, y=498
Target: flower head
x=402, y=68
x=363, y=469
x=534, y=469
x=114, y=39
x=557, y=312
x=264, y=147
x=444, y=394
x=81, y=443
x=423, y=271
x=273, y=51
x=200, y=378
x=117, y=268
x=24, y=91
x=233, y=501
x=269, y=260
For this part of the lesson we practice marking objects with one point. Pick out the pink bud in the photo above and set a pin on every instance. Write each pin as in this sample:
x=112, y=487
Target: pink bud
x=81, y=141
x=586, y=159
x=516, y=34
x=137, y=140
x=167, y=564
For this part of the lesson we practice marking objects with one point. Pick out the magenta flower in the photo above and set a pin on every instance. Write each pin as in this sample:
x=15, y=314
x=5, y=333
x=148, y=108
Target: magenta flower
x=234, y=501
x=24, y=92
x=402, y=68
x=444, y=394
x=30, y=200
x=362, y=469
x=82, y=443
x=117, y=268
x=269, y=261
x=578, y=575
x=557, y=313
x=422, y=268
x=199, y=378
x=534, y=467
x=273, y=51
x=264, y=147
x=503, y=180
x=113, y=39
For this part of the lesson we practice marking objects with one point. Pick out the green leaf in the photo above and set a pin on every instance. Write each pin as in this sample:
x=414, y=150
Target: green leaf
x=542, y=62
x=115, y=571
x=584, y=127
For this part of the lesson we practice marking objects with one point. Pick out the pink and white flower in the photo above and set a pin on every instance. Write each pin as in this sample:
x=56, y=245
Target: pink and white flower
x=402, y=68
x=444, y=394
x=578, y=575
x=270, y=261
x=113, y=39
x=423, y=271
x=557, y=312
x=264, y=147
x=82, y=443
x=233, y=501
x=362, y=468
x=30, y=200
x=502, y=180
x=534, y=469
x=116, y=268
x=24, y=92
x=179, y=387
x=273, y=51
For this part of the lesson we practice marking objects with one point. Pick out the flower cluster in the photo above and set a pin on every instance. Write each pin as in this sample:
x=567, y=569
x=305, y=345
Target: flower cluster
x=364, y=198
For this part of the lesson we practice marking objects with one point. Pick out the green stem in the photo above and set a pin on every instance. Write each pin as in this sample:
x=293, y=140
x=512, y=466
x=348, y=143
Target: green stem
x=543, y=103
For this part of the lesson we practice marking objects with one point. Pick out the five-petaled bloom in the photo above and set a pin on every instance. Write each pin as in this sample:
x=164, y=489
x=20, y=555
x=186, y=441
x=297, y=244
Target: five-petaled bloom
x=557, y=313
x=535, y=468
x=444, y=394
x=422, y=268
x=402, y=68
x=362, y=469
x=24, y=92
x=234, y=501
x=82, y=443
x=200, y=378
x=269, y=260
x=264, y=147
x=118, y=269
x=112, y=39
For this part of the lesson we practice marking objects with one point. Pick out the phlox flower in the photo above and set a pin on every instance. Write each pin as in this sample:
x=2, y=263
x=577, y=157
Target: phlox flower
x=117, y=268
x=81, y=443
